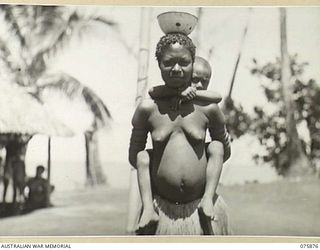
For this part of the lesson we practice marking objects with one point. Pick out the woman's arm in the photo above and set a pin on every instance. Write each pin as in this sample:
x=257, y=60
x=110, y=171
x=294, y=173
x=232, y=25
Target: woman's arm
x=139, y=131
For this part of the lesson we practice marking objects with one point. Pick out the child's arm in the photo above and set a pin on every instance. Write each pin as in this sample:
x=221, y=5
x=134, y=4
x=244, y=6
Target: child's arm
x=200, y=95
x=215, y=154
x=209, y=96
x=214, y=168
x=162, y=91
x=187, y=94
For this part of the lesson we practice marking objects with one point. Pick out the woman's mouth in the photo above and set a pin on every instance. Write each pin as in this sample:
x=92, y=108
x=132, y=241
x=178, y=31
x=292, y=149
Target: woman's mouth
x=176, y=75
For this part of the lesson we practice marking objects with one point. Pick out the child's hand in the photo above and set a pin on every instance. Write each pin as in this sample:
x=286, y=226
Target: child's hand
x=148, y=222
x=188, y=94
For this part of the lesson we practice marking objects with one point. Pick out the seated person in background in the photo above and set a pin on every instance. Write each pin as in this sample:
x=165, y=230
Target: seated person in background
x=38, y=190
x=215, y=152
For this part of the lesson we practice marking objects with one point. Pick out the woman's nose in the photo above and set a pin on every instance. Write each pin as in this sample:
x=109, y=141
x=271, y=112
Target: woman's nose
x=176, y=70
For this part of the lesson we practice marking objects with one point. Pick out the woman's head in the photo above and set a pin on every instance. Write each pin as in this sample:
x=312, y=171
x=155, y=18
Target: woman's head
x=172, y=38
x=175, y=54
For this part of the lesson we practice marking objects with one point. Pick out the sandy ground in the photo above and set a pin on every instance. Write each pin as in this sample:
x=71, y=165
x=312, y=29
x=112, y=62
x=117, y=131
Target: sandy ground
x=94, y=211
x=281, y=208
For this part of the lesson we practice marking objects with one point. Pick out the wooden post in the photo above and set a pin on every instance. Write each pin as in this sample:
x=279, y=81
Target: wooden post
x=244, y=34
x=49, y=172
x=143, y=59
x=142, y=84
x=197, y=34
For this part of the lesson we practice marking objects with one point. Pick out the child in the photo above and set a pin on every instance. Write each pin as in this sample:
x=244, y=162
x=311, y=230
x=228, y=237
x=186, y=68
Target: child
x=215, y=152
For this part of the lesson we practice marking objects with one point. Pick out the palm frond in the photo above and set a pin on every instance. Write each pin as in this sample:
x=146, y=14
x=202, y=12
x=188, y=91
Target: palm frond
x=96, y=105
x=11, y=19
x=5, y=55
x=71, y=27
x=49, y=20
x=72, y=88
x=65, y=83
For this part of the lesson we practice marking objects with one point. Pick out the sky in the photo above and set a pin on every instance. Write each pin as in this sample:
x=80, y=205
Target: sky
x=102, y=63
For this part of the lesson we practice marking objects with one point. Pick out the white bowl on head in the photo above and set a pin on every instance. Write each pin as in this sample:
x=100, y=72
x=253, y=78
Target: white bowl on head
x=177, y=22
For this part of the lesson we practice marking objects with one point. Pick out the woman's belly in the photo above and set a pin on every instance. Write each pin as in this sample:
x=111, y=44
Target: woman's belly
x=179, y=174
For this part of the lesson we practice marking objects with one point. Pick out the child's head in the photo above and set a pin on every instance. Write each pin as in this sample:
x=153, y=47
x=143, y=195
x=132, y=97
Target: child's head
x=201, y=73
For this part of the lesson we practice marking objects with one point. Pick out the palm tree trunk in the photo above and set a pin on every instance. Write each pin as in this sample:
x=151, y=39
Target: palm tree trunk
x=299, y=164
x=95, y=175
x=95, y=158
x=89, y=180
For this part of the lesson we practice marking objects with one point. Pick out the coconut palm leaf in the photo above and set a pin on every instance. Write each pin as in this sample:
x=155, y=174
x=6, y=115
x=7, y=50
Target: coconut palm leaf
x=12, y=23
x=72, y=88
x=5, y=55
x=74, y=24
x=97, y=106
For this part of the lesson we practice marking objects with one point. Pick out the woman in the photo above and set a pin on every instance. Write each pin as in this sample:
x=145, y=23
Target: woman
x=179, y=177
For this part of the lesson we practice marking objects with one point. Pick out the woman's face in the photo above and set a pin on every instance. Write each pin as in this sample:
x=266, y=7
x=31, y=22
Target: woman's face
x=176, y=66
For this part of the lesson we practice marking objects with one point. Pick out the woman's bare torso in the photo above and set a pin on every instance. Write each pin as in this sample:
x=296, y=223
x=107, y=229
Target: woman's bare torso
x=178, y=167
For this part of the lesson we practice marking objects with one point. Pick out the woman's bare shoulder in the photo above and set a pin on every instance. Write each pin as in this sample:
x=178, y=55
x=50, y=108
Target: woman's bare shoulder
x=212, y=111
x=146, y=105
x=208, y=106
x=143, y=112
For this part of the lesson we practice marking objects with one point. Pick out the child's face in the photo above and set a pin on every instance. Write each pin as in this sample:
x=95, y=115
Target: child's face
x=200, y=76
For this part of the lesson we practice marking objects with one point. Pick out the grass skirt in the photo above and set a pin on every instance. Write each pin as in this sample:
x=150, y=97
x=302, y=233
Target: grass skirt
x=183, y=219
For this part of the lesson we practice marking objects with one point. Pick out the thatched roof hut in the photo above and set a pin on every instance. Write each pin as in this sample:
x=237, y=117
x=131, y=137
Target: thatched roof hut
x=20, y=113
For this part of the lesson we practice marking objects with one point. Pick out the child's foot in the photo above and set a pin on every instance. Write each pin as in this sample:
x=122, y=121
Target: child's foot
x=148, y=222
x=206, y=215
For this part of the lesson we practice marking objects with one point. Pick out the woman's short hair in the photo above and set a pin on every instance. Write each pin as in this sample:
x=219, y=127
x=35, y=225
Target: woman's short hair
x=173, y=38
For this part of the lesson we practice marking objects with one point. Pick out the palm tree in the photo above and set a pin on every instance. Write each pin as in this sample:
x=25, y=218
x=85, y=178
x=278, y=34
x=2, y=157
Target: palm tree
x=34, y=35
x=71, y=88
x=298, y=161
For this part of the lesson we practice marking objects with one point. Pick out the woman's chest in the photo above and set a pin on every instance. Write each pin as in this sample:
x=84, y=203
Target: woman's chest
x=165, y=125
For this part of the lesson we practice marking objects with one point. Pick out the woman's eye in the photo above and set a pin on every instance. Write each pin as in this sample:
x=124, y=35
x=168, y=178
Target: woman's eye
x=184, y=63
x=168, y=63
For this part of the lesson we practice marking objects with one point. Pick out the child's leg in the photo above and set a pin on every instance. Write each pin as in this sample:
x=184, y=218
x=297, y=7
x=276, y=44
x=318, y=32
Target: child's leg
x=214, y=167
x=148, y=214
x=135, y=205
